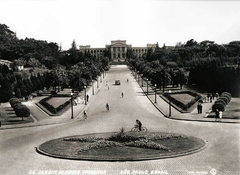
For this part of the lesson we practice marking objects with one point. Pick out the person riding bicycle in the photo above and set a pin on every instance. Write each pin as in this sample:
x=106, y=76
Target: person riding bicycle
x=139, y=125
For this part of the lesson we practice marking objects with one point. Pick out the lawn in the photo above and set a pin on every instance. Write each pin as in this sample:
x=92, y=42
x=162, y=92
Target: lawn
x=57, y=101
x=184, y=98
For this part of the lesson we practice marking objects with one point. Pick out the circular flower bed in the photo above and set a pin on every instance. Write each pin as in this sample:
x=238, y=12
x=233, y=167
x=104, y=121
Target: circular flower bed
x=122, y=146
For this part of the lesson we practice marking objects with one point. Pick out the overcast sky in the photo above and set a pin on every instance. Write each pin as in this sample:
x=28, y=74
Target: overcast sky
x=97, y=22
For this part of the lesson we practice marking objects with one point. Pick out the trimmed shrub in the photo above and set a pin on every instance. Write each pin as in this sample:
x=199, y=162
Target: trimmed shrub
x=220, y=100
x=22, y=111
x=226, y=94
x=226, y=99
x=14, y=101
x=218, y=106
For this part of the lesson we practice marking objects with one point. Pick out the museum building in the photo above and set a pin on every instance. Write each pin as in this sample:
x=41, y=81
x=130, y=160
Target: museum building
x=118, y=49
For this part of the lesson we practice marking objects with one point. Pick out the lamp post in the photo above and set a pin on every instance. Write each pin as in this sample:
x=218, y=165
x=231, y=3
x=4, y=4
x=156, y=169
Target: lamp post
x=142, y=79
x=85, y=96
x=169, y=91
x=92, y=87
x=71, y=104
x=97, y=82
x=137, y=76
x=147, y=86
x=155, y=93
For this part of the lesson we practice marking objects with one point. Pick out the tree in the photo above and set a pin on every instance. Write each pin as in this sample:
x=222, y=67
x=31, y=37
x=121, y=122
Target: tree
x=22, y=111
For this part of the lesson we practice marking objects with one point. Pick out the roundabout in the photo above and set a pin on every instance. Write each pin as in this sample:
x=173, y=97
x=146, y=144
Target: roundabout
x=122, y=146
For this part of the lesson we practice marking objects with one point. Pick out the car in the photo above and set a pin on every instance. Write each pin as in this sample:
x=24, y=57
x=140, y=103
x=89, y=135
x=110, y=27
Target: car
x=117, y=82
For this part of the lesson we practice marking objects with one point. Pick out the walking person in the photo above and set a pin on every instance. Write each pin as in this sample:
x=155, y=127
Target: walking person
x=87, y=97
x=85, y=115
x=107, y=107
x=122, y=94
x=217, y=115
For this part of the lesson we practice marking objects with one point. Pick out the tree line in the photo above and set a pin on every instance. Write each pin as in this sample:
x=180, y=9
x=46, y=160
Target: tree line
x=207, y=65
x=70, y=68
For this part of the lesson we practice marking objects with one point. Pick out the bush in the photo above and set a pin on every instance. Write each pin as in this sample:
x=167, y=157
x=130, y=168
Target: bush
x=225, y=99
x=22, y=111
x=218, y=106
x=220, y=100
x=14, y=101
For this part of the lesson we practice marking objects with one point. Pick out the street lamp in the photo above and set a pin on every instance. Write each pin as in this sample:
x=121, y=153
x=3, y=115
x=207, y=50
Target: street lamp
x=142, y=79
x=169, y=91
x=155, y=93
x=137, y=76
x=92, y=87
x=147, y=86
x=97, y=82
x=85, y=96
x=71, y=104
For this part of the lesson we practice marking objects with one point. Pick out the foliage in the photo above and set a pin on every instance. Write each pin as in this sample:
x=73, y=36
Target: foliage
x=22, y=111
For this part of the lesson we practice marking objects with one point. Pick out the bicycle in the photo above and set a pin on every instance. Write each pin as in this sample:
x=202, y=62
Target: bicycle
x=136, y=129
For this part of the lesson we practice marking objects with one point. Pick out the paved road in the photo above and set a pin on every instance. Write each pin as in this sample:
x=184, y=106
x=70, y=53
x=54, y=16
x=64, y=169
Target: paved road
x=18, y=154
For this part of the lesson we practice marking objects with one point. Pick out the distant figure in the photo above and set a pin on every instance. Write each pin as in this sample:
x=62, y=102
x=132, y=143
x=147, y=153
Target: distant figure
x=107, y=107
x=127, y=80
x=87, y=97
x=220, y=116
x=217, y=115
x=85, y=115
x=122, y=94
x=200, y=105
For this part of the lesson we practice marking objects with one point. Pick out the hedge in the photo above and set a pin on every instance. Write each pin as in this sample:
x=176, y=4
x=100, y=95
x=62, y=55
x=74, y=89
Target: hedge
x=51, y=108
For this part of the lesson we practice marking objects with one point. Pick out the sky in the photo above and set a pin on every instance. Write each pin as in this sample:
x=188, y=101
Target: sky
x=139, y=22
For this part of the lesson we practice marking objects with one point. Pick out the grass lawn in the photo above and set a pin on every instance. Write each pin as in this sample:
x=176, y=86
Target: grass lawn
x=184, y=98
x=57, y=101
x=176, y=144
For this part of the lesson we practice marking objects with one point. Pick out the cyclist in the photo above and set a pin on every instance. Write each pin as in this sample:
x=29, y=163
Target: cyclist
x=139, y=124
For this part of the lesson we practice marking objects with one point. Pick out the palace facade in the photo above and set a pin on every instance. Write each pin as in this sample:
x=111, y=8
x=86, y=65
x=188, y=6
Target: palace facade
x=118, y=50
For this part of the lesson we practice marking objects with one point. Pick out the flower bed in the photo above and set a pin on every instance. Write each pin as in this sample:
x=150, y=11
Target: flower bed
x=142, y=147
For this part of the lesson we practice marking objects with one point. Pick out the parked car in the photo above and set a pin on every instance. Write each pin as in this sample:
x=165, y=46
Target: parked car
x=117, y=82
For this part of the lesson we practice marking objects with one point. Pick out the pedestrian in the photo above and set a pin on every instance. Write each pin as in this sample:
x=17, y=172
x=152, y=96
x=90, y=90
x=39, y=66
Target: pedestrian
x=107, y=107
x=0, y=124
x=217, y=115
x=220, y=116
x=211, y=98
x=127, y=80
x=87, y=97
x=122, y=94
x=85, y=115
x=198, y=108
